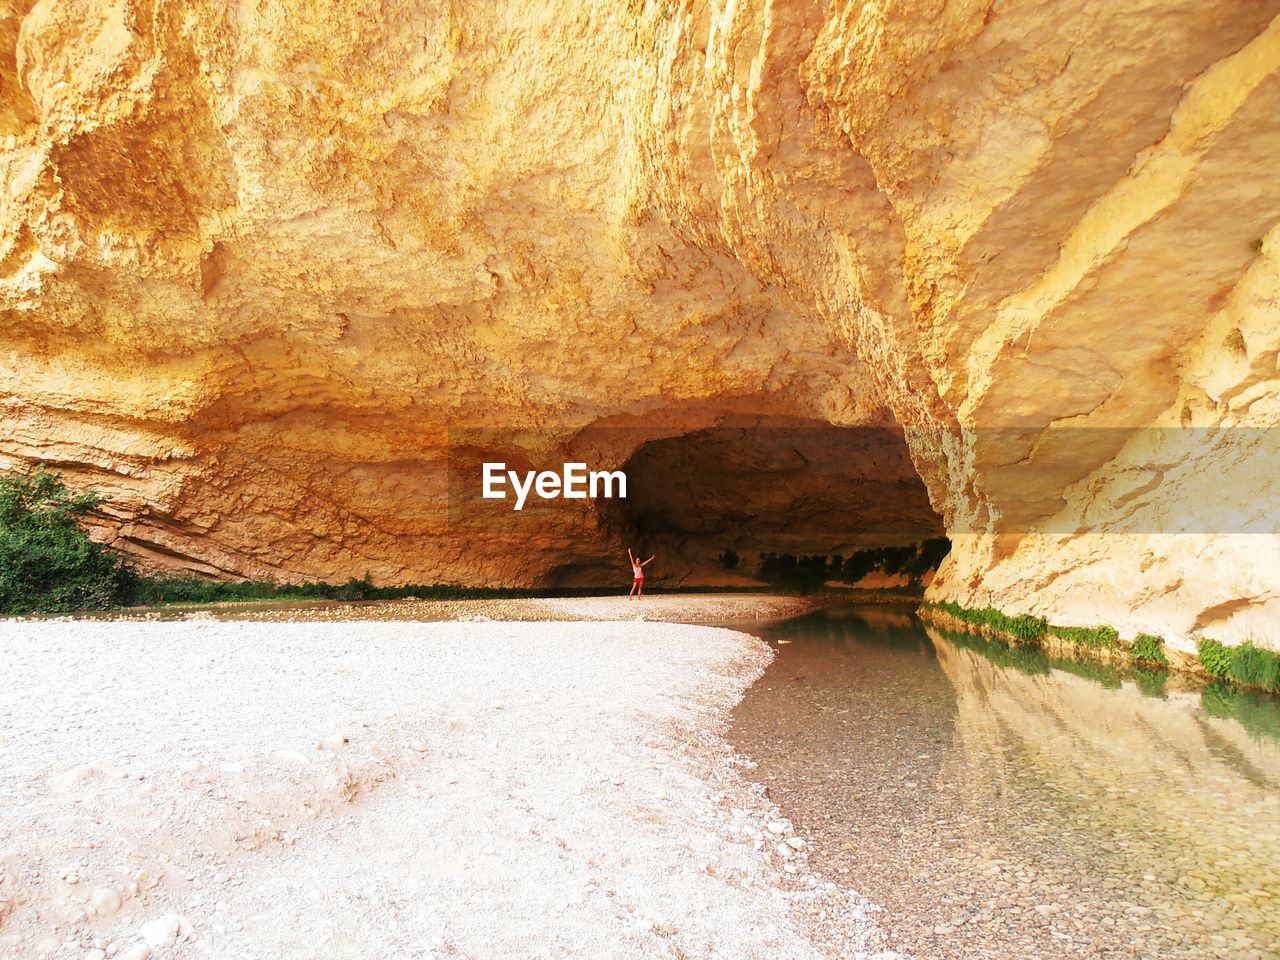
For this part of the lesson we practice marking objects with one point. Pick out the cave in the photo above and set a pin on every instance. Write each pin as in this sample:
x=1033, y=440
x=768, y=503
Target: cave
x=777, y=485
x=255, y=340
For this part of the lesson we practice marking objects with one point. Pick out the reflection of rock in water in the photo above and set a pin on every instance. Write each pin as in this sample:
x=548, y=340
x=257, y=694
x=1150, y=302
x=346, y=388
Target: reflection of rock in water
x=998, y=813
x=1187, y=802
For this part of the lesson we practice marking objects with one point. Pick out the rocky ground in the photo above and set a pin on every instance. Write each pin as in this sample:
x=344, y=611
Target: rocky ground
x=397, y=789
x=719, y=608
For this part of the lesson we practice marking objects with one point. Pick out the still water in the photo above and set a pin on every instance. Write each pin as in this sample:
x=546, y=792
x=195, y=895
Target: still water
x=998, y=803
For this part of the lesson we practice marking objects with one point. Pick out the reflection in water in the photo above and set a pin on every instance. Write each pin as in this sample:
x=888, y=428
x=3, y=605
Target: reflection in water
x=1001, y=804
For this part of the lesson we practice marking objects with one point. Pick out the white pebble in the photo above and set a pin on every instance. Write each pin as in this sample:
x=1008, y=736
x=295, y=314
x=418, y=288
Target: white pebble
x=105, y=901
x=162, y=931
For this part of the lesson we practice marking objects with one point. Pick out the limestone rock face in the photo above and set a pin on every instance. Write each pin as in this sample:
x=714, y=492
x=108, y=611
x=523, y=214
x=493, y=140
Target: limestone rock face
x=259, y=259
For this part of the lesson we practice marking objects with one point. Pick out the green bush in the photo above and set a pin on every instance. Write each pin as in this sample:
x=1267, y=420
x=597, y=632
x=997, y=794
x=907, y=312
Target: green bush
x=1089, y=636
x=929, y=555
x=1026, y=628
x=1255, y=667
x=1149, y=649
x=798, y=572
x=48, y=564
x=1244, y=664
x=1215, y=658
x=913, y=560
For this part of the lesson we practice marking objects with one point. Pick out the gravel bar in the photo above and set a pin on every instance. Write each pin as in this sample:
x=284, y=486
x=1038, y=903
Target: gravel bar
x=397, y=789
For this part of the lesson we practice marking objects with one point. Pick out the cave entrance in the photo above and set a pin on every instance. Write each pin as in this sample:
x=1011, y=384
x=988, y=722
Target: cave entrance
x=705, y=499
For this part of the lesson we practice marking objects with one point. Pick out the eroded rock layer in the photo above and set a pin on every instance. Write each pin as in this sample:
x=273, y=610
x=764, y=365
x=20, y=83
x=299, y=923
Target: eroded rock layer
x=258, y=259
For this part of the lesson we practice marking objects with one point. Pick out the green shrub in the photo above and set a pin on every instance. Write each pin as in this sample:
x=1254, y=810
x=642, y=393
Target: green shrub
x=1089, y=636
x=929, y=555
x=1256, y=667
x=801, y=572
x=1149, y=649
x=912, y=560
x=1235, y=341
x=48, y=564
x=1244, y=664
x=1026, y=628
x=1214, y=657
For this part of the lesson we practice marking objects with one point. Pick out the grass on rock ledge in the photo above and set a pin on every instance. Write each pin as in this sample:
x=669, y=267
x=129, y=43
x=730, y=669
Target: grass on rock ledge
x=1245, y=665
x=1257, y=711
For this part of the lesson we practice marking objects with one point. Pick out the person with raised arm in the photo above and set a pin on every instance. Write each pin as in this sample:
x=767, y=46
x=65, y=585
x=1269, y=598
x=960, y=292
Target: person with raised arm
x=637, y=567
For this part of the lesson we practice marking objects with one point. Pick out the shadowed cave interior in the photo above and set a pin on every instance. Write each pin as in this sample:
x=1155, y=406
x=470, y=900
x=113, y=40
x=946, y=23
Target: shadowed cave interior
x=787, y=485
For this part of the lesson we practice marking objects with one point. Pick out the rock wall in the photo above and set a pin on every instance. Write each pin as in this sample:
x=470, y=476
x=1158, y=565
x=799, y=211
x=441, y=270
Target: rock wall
x=257, y=259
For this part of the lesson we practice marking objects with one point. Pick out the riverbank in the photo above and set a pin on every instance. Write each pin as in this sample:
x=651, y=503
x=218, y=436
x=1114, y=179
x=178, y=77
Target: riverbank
x=719, y=608
x=1002, y=804
x=1065, y=642
x=397, y=789
x=1246, y=666
x=658, y=608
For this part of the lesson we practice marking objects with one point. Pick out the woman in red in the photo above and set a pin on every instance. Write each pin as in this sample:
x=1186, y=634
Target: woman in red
x=637, y=567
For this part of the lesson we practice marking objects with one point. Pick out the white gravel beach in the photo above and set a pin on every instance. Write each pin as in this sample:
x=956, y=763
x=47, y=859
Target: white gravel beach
x=393, y=789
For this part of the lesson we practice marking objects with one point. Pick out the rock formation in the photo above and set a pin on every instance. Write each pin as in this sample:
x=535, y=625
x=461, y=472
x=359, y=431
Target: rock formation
x=258, y=259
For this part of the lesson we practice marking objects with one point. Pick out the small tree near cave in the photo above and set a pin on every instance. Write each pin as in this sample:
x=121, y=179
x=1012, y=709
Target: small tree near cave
x=47, y=561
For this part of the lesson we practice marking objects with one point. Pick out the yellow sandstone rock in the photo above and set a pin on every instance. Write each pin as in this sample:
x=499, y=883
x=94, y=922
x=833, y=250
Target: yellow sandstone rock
x=258, y=259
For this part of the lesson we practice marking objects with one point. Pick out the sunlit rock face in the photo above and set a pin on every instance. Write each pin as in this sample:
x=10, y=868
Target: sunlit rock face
x=257, y=259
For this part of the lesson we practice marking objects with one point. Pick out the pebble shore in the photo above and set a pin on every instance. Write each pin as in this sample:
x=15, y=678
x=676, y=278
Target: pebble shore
x=391, y=788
